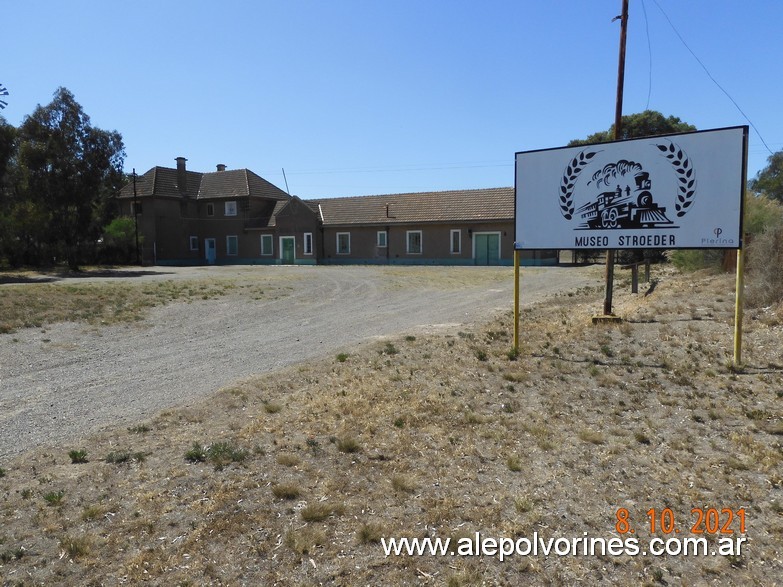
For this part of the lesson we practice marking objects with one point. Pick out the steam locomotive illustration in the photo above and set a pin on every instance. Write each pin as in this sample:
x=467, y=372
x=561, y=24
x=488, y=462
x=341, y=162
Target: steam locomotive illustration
x=625, y=208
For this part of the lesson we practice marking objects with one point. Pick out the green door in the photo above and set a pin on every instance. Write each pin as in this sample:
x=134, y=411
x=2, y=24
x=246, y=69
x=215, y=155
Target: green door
x=287, y=250
x=487, y=249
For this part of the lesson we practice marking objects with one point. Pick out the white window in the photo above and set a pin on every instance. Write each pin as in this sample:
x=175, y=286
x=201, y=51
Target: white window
x=210, y=209
x=231, y=208
x=414, y=242
x=232, y=245
x=308, y=243
x=456, y=241
x=382, y=238
x=266, y=244
x=194, y=243
x=343, y=243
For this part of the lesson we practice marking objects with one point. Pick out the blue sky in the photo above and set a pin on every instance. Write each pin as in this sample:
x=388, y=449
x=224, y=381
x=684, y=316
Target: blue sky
x=359, y=97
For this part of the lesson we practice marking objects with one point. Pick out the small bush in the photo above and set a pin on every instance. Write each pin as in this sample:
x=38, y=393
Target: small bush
x=219, y=454
x=313, y=444
x=592, y=436
x=78, y=456
x=122, y=457
x=2, y=472
x=641, y=437
x=696, y=259
x=761, y=214
x=523, y=504
x=370, y=532
x=319, y=511
x=288, y=459
x=286, y=491
x=765, y=278
x=8, y=556
x=140, y=429
x=301, y=541
x=196, y=454
x=389, y=349
x=474, y=418
x=93, y=512
x=223, y=453
x=348, y=445
x=272, y=407
x=403, y=483
x=342, y=357
x=54, y=498
x=514, y=464
x=76, y=547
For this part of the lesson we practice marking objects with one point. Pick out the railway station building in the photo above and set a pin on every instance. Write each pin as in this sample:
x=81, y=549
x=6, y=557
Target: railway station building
x=230, y=217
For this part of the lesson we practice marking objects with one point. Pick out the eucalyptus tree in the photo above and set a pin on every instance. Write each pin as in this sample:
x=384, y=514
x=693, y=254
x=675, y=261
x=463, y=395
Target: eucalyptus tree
x=68, y=172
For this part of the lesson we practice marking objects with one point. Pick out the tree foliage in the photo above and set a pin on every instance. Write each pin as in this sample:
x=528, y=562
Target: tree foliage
x=769, y=181
x=60, y=176
x=120, y=239
x=633, y=126
x=761, y=213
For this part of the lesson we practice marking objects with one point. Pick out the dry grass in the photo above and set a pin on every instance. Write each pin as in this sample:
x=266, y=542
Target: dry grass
x=587, y=419
x=38, y=304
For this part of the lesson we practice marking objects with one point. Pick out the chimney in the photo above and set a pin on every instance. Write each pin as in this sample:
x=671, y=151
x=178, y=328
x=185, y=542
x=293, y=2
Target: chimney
x=182, y=176
x=221, y=167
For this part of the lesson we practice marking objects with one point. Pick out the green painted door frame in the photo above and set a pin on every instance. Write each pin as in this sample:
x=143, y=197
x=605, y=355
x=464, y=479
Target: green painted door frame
x=486, y=248
x=288, y=250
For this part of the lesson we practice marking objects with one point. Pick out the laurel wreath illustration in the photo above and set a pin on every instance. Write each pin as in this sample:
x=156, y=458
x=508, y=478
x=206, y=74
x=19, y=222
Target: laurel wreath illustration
x=677, y=157
x=572, y=171
x=684, y=170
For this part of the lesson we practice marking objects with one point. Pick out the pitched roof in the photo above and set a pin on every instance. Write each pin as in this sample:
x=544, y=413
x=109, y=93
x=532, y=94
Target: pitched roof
x=492, y=204
x=281, y=209
x=162, y=182
x=237, y=183
x=267, y=221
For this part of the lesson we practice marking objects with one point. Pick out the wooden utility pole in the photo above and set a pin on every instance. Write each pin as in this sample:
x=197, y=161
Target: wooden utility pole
x=618, y=116
x=136, y=218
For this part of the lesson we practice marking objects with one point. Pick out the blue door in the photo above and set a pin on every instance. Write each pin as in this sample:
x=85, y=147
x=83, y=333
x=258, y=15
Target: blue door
x=210, y=251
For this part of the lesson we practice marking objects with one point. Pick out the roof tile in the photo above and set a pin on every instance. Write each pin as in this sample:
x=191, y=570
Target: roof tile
x=490, y=204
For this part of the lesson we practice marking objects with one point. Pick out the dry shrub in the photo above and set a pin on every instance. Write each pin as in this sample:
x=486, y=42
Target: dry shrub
x=765, y=278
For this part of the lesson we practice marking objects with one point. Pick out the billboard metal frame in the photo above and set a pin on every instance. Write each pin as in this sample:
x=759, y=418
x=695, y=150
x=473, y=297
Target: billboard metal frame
x=632, y=218
x=568, y=209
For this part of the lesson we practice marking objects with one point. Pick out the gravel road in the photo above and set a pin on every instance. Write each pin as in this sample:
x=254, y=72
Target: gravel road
x=66, y=381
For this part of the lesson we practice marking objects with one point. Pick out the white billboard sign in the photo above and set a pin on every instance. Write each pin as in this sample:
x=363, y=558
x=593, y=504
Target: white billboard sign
x=680, y=191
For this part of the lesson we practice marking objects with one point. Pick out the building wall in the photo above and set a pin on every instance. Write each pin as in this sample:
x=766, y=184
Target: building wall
x=164, y=225
x=167, y=225
x=436, y=240
x=296, y=220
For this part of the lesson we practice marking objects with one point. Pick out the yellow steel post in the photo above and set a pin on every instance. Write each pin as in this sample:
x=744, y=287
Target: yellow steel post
x=740, y=296
x=516, y=301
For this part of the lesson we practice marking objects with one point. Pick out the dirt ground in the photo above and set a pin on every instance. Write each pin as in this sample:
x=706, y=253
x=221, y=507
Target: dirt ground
x=297, y=476
x=63, y=381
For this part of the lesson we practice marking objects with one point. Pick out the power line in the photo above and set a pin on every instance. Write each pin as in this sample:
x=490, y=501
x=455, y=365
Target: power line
x=649, y=56
x=412, y=167
x=707, y=71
